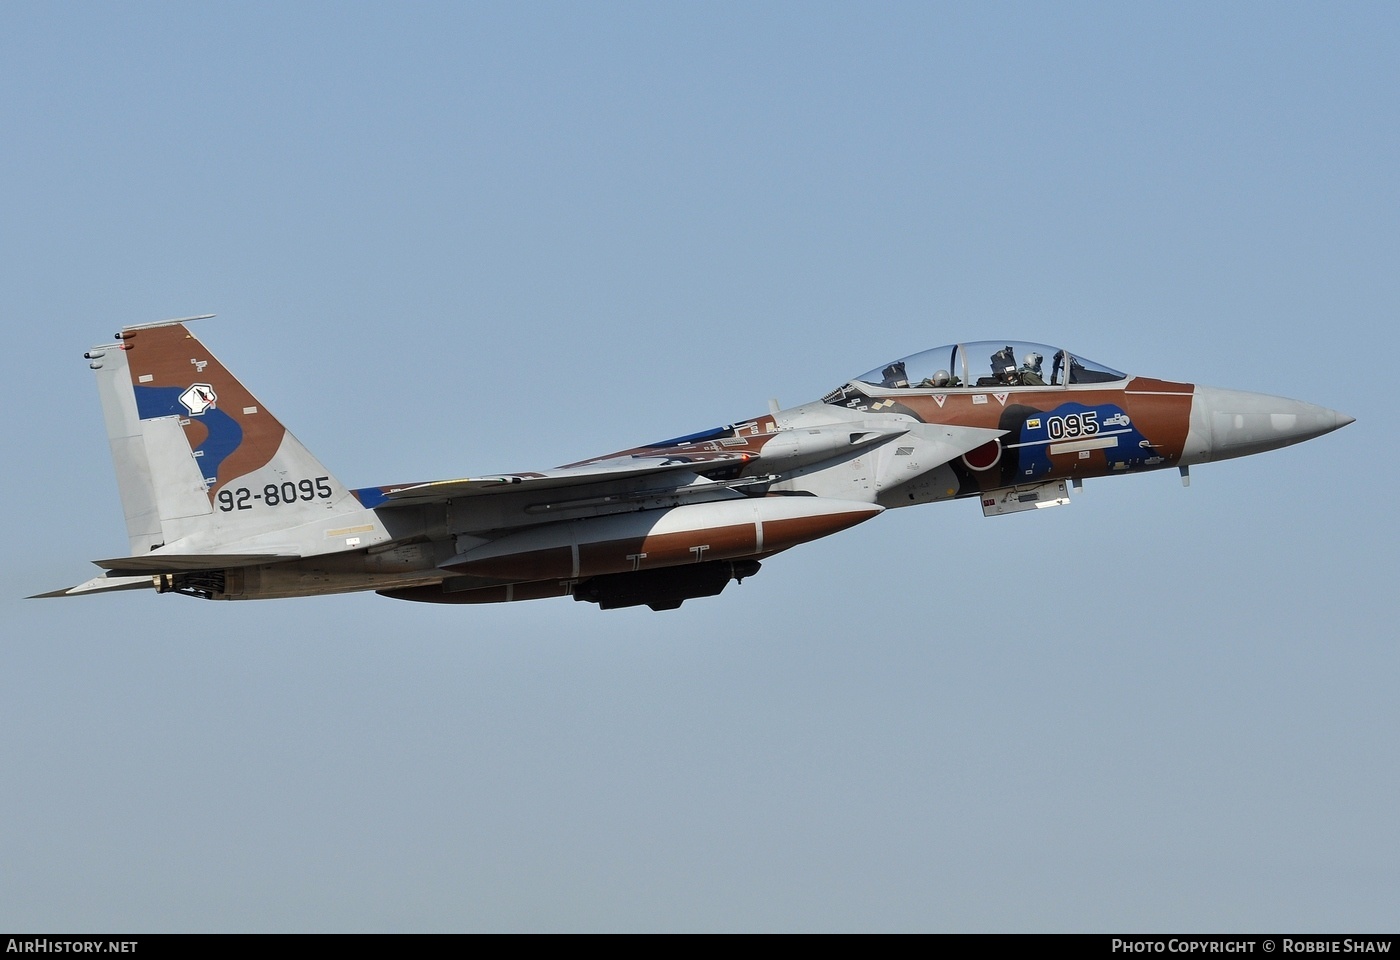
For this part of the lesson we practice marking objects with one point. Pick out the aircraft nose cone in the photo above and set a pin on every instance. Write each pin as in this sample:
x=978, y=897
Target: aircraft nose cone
x=1238, y=424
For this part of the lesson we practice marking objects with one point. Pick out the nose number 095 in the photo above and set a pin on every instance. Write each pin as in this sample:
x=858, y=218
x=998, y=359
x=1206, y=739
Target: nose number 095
x=1084, y=424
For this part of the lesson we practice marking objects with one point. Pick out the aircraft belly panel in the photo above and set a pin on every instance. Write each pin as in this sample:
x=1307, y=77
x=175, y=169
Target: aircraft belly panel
x=930, y=486
x=304, y=579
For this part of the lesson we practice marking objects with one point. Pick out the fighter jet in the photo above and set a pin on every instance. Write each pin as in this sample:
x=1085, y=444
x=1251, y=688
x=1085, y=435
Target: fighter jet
x=223, y=503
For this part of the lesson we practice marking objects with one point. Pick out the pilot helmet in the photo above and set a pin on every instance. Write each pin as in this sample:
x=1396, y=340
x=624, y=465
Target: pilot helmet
x=1032, y=361
x=940, y=378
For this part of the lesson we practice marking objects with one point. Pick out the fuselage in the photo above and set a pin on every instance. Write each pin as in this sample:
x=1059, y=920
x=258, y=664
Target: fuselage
x=885, y=444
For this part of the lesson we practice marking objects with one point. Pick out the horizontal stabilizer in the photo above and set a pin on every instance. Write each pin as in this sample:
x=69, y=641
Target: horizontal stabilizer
x=599, y=472
x=99, y=585
x=183, y=563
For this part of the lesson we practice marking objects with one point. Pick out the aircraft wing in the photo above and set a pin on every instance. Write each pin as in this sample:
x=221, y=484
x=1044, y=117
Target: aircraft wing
x=782, y=451
x=682, y=470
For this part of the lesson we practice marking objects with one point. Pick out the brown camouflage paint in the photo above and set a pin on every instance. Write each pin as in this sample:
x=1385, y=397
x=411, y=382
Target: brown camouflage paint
x=171, y=356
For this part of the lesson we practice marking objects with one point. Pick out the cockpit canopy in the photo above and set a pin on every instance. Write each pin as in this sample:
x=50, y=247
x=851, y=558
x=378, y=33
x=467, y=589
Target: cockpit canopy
x=989, y=363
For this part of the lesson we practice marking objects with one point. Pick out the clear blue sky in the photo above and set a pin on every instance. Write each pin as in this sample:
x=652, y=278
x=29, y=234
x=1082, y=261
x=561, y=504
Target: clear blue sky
x=446, y=238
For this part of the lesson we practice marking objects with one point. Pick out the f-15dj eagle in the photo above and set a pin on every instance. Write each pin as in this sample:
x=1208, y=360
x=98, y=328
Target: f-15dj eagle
x=223, y=503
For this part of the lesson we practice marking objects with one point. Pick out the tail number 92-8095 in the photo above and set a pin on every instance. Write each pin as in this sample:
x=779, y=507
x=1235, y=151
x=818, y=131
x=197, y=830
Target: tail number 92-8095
x=275, y=494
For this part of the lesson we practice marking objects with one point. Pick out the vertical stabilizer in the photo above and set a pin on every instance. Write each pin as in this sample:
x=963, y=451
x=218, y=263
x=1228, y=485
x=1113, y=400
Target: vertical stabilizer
x=203, y=466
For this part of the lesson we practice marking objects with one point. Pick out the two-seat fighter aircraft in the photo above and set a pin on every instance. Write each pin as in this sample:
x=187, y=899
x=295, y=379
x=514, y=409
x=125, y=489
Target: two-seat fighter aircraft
x=223, y=503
